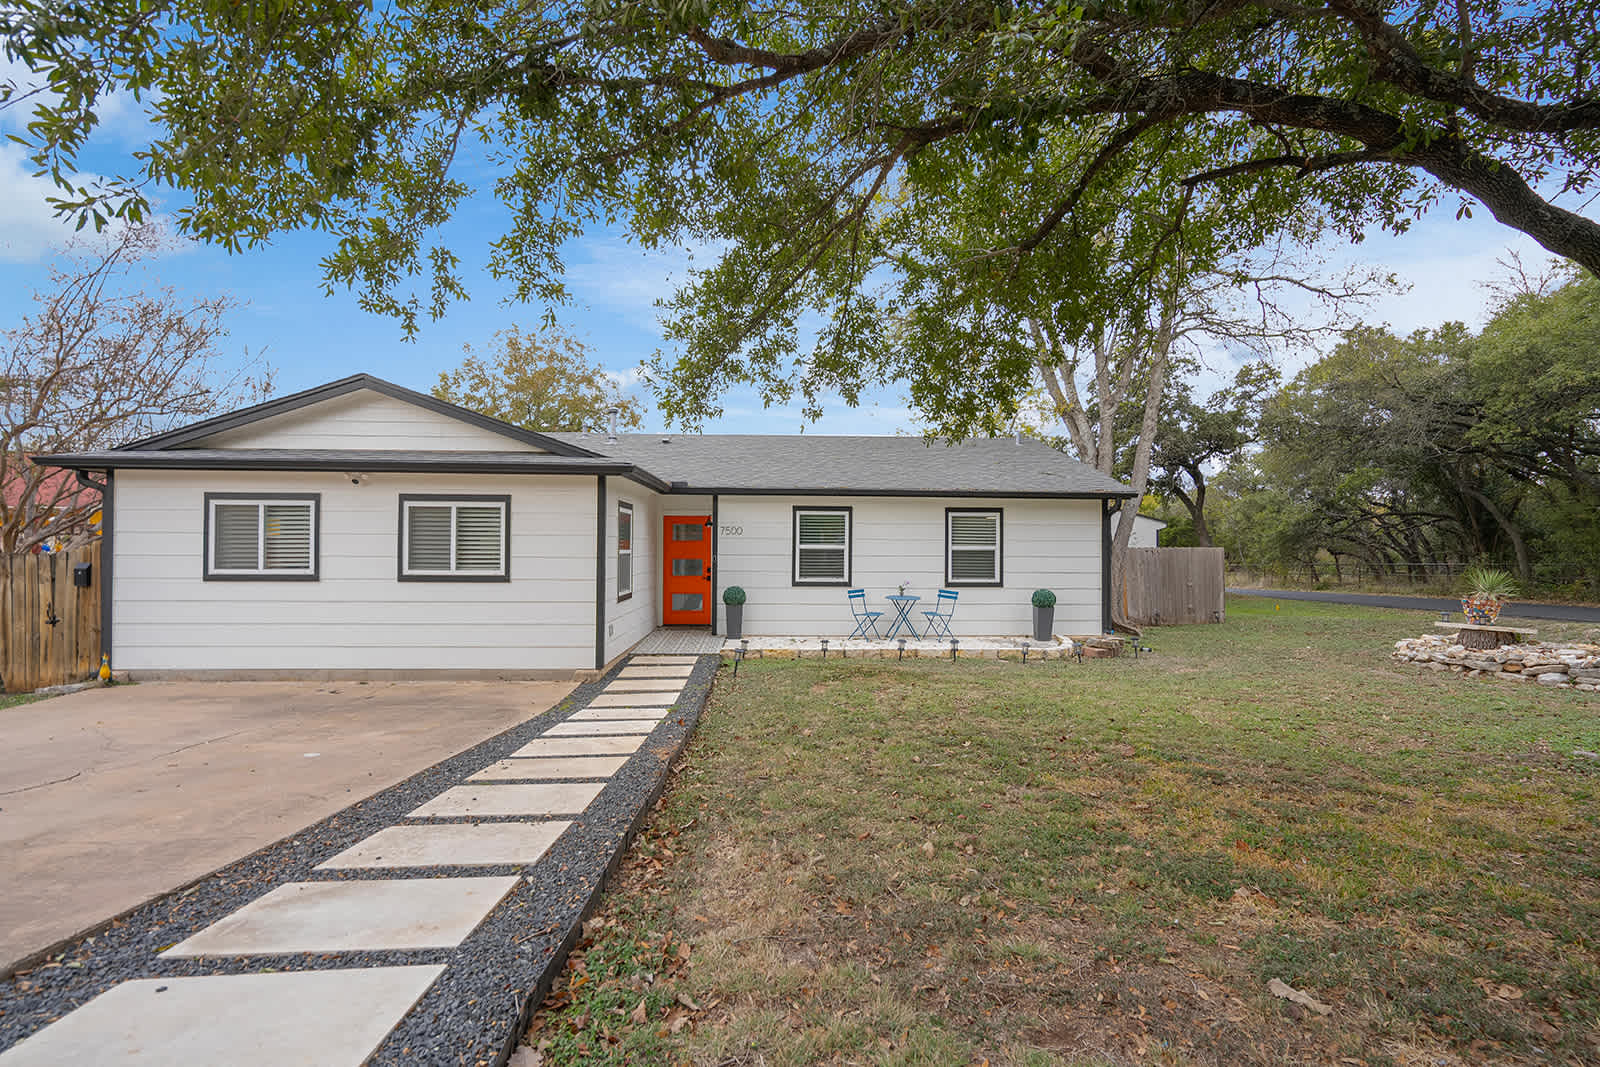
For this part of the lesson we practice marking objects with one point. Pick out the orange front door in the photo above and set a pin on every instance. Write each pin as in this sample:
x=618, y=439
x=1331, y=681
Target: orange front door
x=686, y=585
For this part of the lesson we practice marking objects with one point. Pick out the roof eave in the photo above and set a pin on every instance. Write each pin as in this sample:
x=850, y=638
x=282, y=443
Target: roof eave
x=1020, y=494
x=179, y=459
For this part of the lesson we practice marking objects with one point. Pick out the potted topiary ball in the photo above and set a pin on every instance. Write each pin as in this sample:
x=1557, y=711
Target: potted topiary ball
x=1044, y=615
x=733, y=610
x=1487, y=591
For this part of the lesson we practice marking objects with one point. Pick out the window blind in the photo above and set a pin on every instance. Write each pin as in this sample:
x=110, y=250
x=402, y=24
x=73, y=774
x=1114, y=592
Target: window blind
x=822, y=546
x=448, y=538
x=974, y=546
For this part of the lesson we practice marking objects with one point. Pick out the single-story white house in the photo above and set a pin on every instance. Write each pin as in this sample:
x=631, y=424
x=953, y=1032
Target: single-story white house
x=360, y=529
x=1146, y=532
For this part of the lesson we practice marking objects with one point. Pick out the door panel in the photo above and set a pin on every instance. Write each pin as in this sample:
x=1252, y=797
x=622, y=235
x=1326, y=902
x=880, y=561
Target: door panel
x=686, y=583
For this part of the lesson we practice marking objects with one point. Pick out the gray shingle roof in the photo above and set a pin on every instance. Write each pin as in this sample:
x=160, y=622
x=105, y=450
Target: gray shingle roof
x=819, y=464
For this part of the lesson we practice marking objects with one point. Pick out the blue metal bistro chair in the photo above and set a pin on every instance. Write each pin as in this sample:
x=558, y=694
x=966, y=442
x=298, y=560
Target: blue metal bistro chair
x=943, y=610
x=865, y=620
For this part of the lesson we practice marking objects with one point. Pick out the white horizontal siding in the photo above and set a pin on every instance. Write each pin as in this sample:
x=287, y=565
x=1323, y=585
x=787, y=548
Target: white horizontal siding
x=364, y=419
x=630, y=621
x=1053, y=544
x=358, y=616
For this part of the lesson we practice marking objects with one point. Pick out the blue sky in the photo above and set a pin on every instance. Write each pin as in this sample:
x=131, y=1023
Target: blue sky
x=310, y=337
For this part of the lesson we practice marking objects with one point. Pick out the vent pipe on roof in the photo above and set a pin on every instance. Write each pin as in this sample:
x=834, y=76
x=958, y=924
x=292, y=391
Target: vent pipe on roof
x=611, y=424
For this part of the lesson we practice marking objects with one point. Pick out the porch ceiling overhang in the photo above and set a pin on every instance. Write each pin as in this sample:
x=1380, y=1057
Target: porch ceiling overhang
x=348, y=460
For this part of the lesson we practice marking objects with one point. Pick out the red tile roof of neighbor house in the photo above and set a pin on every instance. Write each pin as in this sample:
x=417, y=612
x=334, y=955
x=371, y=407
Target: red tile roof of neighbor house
x=54, y=482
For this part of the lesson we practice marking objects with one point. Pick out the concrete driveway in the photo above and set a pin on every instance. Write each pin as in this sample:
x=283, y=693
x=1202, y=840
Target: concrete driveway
x=109, y=797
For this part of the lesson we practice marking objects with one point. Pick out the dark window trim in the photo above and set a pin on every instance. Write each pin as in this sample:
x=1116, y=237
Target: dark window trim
x=794, y=545
x=208, y=575
x=621, y=596
x=999, y=548
x=453, y=498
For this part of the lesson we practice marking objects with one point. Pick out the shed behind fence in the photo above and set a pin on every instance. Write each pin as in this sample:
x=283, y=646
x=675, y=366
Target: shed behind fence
x=1171, y=586
x=50, y=628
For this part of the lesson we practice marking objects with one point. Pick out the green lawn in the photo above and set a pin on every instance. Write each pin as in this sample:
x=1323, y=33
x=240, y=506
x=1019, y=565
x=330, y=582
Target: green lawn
x=1107, y=862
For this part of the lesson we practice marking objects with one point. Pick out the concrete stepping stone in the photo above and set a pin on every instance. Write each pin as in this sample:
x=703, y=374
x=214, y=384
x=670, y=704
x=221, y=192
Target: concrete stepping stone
x=553, y=798
x=404, y=913
x=591, y=714
x=660, y=658
x=463, y=845
x=552, y=767
x=579, y=746
x=664, y=670
x=645, y=685
x=337, y=1018
x=598, y=727
x=632, y=700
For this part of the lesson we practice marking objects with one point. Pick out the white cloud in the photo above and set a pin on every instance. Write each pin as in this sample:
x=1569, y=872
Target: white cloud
x=628, y=377
x=29, y=229
x=611, y=275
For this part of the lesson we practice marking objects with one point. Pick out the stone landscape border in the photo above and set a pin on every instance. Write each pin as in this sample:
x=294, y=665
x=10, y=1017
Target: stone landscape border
x=1003, y=648
x=477, y=1010
x=1568, y=666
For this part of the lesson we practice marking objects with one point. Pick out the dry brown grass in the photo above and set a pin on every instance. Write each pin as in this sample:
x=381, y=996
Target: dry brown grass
x=1107, y=862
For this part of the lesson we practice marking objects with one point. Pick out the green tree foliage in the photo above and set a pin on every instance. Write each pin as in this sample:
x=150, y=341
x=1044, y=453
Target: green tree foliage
x=1194, y=437
x=823, y=148
x=543, y=382
x=1440, y=447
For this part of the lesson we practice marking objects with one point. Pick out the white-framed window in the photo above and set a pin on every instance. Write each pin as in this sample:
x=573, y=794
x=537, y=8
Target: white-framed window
x=624, y=550
x=972, y=547
x=261, y=537
x=822, y=546
x=455, y=538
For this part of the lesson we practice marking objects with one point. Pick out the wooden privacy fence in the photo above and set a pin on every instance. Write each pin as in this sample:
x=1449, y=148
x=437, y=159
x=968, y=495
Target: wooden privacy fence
x=50, y=627
x=1170, y=586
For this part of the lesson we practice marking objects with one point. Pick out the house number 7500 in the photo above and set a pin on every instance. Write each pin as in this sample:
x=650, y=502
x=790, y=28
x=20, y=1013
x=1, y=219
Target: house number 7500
x=732, y=531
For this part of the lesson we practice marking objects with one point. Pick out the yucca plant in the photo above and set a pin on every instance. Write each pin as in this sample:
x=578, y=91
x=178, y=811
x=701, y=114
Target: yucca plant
x=1489, y=583
x=1487, y=590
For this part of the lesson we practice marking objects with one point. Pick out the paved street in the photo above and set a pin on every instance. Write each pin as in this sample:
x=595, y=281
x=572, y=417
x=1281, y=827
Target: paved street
x=1515, y=609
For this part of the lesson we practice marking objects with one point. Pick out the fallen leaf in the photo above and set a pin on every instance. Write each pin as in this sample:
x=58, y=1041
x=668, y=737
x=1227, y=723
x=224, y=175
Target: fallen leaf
x=1285, y=991
x=927, y=848
x=640, y=1016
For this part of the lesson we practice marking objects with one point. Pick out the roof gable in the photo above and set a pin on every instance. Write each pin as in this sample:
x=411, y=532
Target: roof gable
x=295, y=421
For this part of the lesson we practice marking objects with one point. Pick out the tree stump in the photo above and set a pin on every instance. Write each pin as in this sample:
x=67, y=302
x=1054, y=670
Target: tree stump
x=1483, y=638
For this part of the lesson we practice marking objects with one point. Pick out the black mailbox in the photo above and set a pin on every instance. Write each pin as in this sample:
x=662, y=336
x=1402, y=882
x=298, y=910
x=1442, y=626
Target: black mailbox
x=80, y=574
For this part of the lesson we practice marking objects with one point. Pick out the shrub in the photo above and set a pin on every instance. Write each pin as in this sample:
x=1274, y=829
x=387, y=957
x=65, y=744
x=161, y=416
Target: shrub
x=733, y=596
x=1044, y=598
x=1487, y=583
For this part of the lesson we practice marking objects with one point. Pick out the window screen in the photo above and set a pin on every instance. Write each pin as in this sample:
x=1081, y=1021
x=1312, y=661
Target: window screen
x=624, y=551
x=972, y=547
x=822, y=546
x=465, y=539
x=261, y=537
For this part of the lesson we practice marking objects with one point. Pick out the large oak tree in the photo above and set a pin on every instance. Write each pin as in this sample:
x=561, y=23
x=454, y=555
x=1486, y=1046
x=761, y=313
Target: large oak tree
x=807, y=141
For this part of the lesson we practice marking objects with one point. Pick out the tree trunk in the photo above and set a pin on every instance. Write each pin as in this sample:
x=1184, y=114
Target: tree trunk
x=1518, y=545
x=1159, y=361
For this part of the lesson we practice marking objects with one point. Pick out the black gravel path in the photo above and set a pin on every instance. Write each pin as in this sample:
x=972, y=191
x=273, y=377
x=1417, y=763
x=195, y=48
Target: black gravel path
x=1514, y=609
x=479, y=1006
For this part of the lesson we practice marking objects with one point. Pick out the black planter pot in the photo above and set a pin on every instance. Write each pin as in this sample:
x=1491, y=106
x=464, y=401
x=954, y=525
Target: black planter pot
x=733, y=619
x=1044, y=623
